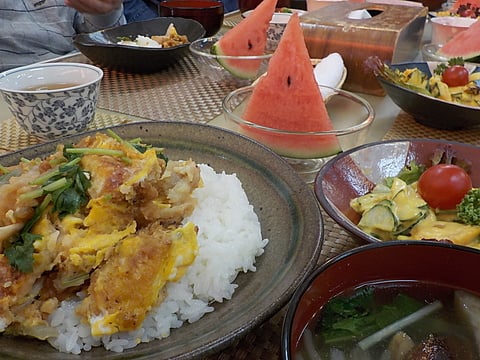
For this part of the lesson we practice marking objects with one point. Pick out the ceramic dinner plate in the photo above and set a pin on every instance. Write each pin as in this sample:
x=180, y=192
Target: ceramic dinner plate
x=102, y=46
x=289, y=217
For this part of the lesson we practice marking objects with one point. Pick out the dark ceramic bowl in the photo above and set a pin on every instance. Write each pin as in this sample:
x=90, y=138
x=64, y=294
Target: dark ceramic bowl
x=103, y=49
x=433, y=4
x=289, y=216
x=427, y=110
x=208, y=13
x=421, y=262
x=356, y=171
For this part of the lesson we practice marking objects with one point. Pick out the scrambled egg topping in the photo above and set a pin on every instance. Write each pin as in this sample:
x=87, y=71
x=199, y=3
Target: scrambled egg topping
x=127, y=236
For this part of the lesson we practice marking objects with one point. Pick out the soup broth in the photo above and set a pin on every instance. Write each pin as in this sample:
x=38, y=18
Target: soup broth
x=400, y=321
x=56, y=86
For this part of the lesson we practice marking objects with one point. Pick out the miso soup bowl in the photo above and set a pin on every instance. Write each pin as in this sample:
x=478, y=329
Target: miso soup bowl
x=420, y=263
x=52, y=100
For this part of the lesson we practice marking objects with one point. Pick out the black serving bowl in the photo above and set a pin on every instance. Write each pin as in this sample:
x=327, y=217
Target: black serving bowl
x=427, y=110
x=102, y=46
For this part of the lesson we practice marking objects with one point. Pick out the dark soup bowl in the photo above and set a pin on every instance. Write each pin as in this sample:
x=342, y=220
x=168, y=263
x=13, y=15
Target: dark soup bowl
x=395, y=300
x=209, y=13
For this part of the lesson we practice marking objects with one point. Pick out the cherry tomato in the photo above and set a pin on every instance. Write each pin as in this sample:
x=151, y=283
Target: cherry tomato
x=443, y=186
x=455, y=75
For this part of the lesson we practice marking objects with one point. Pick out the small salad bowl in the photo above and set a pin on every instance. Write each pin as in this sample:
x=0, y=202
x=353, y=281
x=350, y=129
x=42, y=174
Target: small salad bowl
x=357, y=171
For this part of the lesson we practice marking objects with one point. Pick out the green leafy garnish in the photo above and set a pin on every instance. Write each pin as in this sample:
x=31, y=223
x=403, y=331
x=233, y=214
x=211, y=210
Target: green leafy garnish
x=409, y=173
x=20, y=251
x=451, y=62
x=468, y=211
x=138, y=145
x=5, y=177
x=67, y=184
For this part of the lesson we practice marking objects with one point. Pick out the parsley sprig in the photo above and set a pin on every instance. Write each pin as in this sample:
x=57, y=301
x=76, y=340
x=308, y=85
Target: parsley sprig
x=451, y=62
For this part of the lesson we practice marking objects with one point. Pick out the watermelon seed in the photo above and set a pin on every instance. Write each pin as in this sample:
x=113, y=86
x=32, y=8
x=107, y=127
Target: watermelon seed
x=289, y=80
x=250, y=46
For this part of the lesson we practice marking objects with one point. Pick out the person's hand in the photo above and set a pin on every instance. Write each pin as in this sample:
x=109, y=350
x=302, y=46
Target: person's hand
x=94, y=6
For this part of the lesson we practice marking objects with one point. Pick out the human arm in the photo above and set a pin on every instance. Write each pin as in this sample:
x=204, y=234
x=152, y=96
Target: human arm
x=95, y=6
x=139, y=10
x=95, y=15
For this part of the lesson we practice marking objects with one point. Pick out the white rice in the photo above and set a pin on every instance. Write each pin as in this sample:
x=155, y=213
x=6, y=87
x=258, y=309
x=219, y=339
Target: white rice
x=142, y=41
x=228, y=229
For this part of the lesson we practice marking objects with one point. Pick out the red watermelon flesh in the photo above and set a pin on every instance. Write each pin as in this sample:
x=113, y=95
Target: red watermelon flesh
x=465, y=44
x=288, y=98
x=247, y=38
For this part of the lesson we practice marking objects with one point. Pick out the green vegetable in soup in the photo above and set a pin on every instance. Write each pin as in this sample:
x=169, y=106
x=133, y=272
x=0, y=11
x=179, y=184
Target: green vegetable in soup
x=356, y=317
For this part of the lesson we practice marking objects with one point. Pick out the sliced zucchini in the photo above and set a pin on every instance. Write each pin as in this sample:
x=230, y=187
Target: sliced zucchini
x=379, y=217
x=409, y=205
x=404, y=227
x=367, y=201
x=397, y=186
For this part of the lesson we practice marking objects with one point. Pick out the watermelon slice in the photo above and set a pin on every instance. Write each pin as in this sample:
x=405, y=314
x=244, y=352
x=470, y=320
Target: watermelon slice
x=288, y=98
x=247, y=38
x=465, y=44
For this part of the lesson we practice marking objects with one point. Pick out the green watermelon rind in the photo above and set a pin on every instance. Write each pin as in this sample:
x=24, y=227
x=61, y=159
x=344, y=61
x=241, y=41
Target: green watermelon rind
x=245, y=61
x=466, y=56
x=233, y=69
x=290, y=145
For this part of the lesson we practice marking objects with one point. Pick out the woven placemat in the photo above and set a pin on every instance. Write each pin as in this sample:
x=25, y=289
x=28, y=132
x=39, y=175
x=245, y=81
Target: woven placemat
x=405, y=126
x=179, y=92
x=13, y=137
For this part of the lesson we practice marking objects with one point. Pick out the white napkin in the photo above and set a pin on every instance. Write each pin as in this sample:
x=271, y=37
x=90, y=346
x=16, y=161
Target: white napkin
x=359, y=14
x=329, y=72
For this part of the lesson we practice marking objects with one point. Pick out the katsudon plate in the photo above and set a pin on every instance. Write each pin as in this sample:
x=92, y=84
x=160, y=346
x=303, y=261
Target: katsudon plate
x=289, y=217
